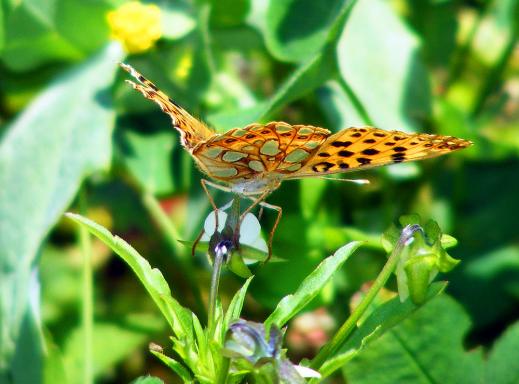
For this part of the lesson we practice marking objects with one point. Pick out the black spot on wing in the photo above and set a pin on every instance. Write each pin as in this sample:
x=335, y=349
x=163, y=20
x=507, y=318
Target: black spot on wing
x=345, y=153
x=338, y=144
x=322, y=167
x=370, y=152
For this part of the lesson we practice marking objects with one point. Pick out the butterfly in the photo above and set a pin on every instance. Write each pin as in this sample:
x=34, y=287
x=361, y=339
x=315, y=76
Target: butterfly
x=253, y=161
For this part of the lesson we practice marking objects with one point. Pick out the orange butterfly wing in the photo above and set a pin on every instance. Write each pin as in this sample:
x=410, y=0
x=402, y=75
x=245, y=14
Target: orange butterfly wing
x=258, y=149
x=354, y=148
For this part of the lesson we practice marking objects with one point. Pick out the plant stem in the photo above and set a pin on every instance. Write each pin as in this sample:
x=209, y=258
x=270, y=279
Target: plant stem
x=215, y=282
x=224, y=370
x=171, y=234
x=350, y=324
x=87, y=305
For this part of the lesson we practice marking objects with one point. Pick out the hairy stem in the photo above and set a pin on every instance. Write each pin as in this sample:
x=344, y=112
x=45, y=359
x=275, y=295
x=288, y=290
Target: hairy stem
x=87, y=305
x=351, y=323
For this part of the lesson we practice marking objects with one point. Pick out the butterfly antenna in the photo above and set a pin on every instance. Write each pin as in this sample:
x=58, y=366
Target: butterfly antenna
x=354, y=181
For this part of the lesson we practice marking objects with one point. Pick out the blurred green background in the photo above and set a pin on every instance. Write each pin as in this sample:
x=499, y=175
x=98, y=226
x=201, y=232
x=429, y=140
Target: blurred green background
x=75, y=137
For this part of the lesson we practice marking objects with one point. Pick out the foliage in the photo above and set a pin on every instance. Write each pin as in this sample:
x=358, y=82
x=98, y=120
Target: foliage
x=75, y=137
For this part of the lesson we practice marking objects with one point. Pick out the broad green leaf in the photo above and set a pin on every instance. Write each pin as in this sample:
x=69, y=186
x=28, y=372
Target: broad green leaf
x=316, y=70
x=228, y=13
x=380, y=321
x=312, y=191
x=31, y=38
x=29, y=345
x=176, y=19
x=296, y=30
x=148, y=158
x=236, y=304
x=62, y=136
x=147, y=380
x=178, y=317
x=128, y=334
x=82, y=24
x=2, y=33
x=290, y=305
x=437, y=24
x=380, y=62
x=307, y=77
x=339, y=107
x=502, y=367
x=426, y=347
x=54, y=369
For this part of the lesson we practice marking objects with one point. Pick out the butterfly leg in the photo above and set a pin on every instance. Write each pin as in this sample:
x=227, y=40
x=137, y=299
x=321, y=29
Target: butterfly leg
x=279, y=211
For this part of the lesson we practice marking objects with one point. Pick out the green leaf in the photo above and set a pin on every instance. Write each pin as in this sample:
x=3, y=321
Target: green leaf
x=316, y=70
x=82, y=24
x=31, y=37
x=425, y=347
x=175, y=366
x=176, y=20
x=113, y=342
x=62, y=136
x=228, y=13
x=28, y=346
x=338, y=106
x=295, y=30
x=2, y=32
x=236, y=304
x=147, y=380
x=178, y=317
x=501, y=367
x=379, y=61
x=148, y=158
x=380, y=321
x=304, y=79
x=54, y=369
x=290, y=305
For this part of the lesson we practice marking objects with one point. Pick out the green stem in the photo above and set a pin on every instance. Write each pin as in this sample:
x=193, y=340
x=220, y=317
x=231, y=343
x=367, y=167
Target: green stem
x=494, y=76
x=87, y=309
x=350, y=324
x=171, y=234
x=215, y=282
x=224, y=371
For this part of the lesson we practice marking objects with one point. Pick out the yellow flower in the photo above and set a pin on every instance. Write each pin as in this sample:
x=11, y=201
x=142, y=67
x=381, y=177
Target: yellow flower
x=137, y=26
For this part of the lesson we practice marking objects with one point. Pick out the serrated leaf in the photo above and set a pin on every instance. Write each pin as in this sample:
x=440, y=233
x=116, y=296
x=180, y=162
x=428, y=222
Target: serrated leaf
x=236, y=304
x=290, y=305
x=147, y=380
x=175, y=366
x=178, y=317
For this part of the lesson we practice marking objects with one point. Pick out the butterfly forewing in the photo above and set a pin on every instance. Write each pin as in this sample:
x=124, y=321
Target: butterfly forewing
x=368, y=147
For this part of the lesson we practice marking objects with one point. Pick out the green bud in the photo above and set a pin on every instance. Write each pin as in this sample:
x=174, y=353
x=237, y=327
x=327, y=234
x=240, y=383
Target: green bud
x=422, y=257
